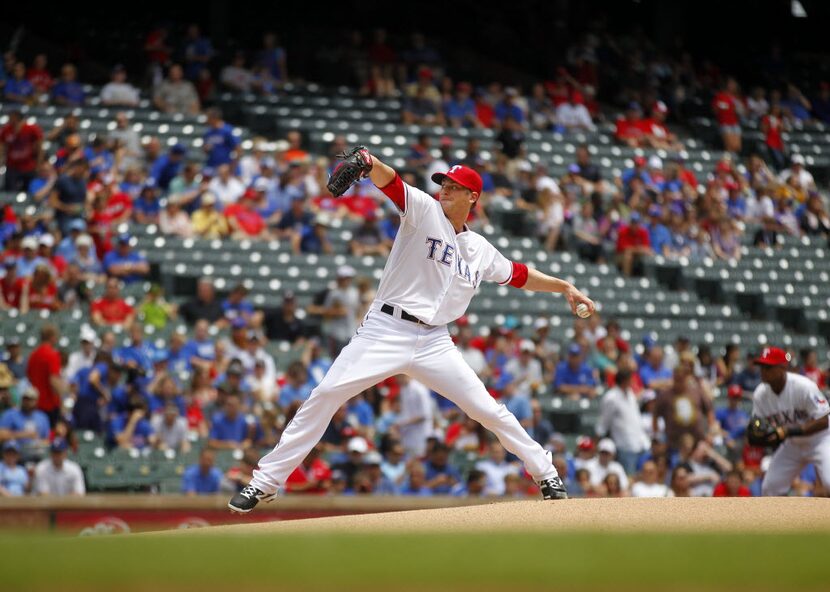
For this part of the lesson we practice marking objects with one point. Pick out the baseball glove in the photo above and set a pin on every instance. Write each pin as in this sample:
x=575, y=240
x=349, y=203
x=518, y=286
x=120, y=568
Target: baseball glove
x=356, y=164
x=760, y=432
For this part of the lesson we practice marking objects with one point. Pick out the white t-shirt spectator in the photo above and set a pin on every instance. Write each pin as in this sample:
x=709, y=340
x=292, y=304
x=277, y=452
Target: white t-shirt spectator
x=495, y=474
x=67, y=480
x=524, y=376
x=227, y=193
x=119, y=93
x=574, y=116
x=620, y=417
x=172, y=436
x=236, y=78
x=599, y=472
x=416, y=402
x=641, y=489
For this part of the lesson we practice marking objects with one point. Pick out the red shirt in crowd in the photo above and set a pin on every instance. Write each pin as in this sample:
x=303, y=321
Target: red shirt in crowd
x=721, y=491
x=772, y=126
x=44, y=299
x=21, y=146
x=12, y=291
x=318, y=472
x=112, y=311
x=630, y=130
x=40, y=79
x=631, y=236
x=44, y=363
x=249, y=221
x=725, y=107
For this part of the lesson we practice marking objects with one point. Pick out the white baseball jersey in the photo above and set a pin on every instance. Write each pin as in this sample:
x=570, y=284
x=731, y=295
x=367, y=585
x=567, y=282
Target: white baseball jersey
x=800, y=401
x=432, y=272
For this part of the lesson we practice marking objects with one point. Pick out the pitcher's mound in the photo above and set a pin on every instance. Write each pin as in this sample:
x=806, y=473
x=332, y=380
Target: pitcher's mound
x=627, y=514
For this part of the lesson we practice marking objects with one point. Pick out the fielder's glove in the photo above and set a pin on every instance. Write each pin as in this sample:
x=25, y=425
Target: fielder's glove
x=356, y=165
x=760, y=432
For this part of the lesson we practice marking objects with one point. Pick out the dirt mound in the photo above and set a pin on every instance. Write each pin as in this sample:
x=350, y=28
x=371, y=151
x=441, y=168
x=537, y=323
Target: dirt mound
x=610, y=515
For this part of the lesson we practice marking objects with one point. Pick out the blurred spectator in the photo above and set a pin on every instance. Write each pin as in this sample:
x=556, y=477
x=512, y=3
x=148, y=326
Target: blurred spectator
x=821, y=103
x=574, y=378
x=82, y=358
x=170, y=427
x=58, y=475
x=174, y=221
x=728, y=110
x=797, y=175
x=155, y=310
x=814, y=220
x=654, y=373
x=111, y=308
x=28, y=426
x=648, y=484
x=525, y=371
x=17, y=88
x=38, y=74
x=232, y=429
x=166, y=167
x=733, y=421
x=773, y=125
x=630, y=128
x=40, y=292
x=726, y=242
x=495, y=469
x=20, y=151
x=731, y=486
x=757, y=105
x=572, y=115
x=460, y=110
x=147, y=207
x=620, y=419
x=416, y=484
x=283, y=324
x=197, y=52
x=220, y=142
x=633, y=246
x=176, y=95
x=586, y=232
x=421, y=108
x=235, y=76
x=44, y=372
x=680, y=482
x=11, y=286
x=702, y=462
x=796, y=104
x=207, y=222
x=367, y=239
x=132, y=428
x=604, y=464
x=415, y=423
x=69, y=197
x=124, y=263
x=237, y=477
x=297, y=387
x=393, y=466
x=243, y=218
x=440, y=475
x=118, y=92
x=86, y=259
x=313, y=476
x=13, y=358
x=14, y=479
x=203, y=478
x=68, y=91
x=340, y=307
x=227, y=188
x=684, y=407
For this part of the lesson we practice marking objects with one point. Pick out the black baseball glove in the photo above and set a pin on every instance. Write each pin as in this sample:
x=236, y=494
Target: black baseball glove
x=356, y=164
x=760, y=432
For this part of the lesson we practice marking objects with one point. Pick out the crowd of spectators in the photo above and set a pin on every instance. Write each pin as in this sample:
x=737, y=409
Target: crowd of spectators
x=67, y=253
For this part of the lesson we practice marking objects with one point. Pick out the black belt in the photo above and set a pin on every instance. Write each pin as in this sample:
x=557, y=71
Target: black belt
x=390, y=310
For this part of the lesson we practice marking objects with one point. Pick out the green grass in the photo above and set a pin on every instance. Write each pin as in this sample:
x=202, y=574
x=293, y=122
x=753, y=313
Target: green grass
x=417, y=562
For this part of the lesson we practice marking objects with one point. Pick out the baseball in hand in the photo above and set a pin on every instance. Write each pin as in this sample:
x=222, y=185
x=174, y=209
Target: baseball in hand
x=582, y=310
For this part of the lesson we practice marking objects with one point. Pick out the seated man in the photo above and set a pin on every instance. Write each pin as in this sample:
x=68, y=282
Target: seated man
x=633, y=245
x=574, y=378
x=112, y=309
x=124, y=263
x=232, y=429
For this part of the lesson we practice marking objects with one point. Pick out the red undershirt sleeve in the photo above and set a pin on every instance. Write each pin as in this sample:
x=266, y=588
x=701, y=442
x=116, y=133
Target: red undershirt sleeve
x=519, y=276
x=396, y=192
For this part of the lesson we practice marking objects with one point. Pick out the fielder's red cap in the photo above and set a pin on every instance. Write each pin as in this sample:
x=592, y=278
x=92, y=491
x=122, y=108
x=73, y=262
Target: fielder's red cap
x=773, y=356
x=462, y=175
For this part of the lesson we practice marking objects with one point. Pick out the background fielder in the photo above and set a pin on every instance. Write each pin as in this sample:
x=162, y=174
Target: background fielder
x=798, y=413
x=432, y=272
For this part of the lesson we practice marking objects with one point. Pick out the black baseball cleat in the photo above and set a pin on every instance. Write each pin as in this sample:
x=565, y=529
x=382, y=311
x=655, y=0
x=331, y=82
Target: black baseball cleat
x=247, y=499
x=553, y=489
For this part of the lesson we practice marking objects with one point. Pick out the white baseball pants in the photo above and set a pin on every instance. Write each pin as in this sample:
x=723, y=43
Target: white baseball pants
x=791, y=457
x=385, y=346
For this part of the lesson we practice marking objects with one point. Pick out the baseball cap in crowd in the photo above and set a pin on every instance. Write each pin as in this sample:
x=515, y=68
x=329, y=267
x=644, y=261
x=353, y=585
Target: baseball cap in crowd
x=11, y=445
x=83, y=241
x=345, y=271
x=655, y=162
x=574, y=349
x=607, y=445
x=773, y=356
x=124, y=237
x=358, y=444
x=236, y=368
x=655, y=211
x=29, y=242
x=527, y=346
x=372, y=458
x=797, y=159
x=238, y=323
x=635, y=217
x=47, y=240
x=573, y=168
x=584, y=443
x=464, y=176
x=208, y=199
x=262, y=184
x=540, y=323
x=27, y=391
x=735, y=391
x=634, y=106
x=58, y=445
x=178, y=149
x=77, y=225
x=88, y=334
x=648, y=396
x=660, y=107
x=639, y=161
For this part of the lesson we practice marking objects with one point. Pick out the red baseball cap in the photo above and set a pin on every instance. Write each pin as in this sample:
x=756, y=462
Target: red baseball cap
x=773, y=356
x=464, y=176
x=584, y=443
x=734, y=390
x=640, y=161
